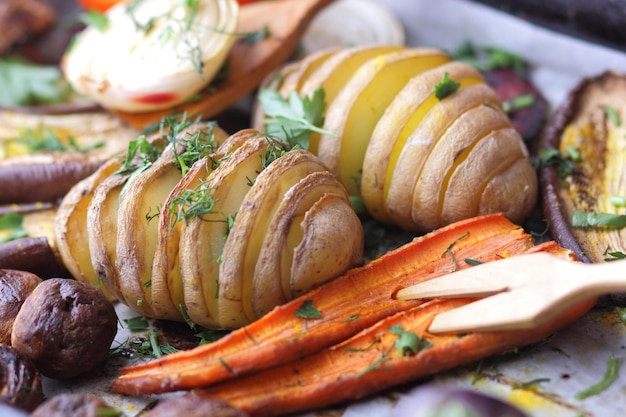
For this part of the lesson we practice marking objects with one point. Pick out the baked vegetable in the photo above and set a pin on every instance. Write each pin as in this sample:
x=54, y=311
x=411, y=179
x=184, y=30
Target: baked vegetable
x=583, y=167
x=181, y=46
x=215, y=230
x=324, y=347
x=421, y=138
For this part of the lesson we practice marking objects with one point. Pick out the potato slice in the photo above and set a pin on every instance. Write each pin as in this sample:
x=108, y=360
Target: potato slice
x=203, y=237
x=245, y=239
x=487, y=159
x=402, y=116
x=71, y=226
x=272, y=277
x=102, y=231
x=419, y=144
x=167, y=282
x=140, y=206
x=307, y=66
x=353, y=115
x=335, y=72
x=449, y=151
x=326, y=251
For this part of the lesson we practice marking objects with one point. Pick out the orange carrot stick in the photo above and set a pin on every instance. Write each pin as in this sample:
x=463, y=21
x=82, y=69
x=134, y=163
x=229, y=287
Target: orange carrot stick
x=374, y=360
x=348, y=304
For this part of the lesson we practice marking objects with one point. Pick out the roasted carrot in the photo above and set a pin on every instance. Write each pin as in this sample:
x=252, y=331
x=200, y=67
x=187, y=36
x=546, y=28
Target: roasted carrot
x=394, y=351
x=346, y=305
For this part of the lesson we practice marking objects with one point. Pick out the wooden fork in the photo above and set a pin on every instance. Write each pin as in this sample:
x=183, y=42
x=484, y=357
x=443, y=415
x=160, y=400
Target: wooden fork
x=529, y=290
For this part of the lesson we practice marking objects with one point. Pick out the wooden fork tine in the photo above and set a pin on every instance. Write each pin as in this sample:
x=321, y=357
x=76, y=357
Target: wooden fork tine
x=456, y=284
x=481, y=280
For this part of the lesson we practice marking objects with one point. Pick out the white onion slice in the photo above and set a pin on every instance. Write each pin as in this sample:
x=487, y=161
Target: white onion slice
x=132, y=68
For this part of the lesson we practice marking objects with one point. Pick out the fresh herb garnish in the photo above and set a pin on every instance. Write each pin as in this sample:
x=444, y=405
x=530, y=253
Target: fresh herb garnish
x=136, y=324
x=252, y=38
x=608, y=220
x=95, y=19
x=209, y=336
x=612, y=114
x=446, y=87
x=27, y=84
x=563, y=162
x=488, y=58
x=183, y=312
x=618, y=201
x=609, y=376
x=408, y=343
x=448, y=251
x=192, y=202
x=530, y=384
x=293, y=119
x=613, y=255
x=308, y=311
x=11, y=227
x=518, y=102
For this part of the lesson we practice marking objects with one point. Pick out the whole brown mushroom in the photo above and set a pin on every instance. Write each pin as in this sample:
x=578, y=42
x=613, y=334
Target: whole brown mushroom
x=20, y=380
x=15, y=287
x=66, y=327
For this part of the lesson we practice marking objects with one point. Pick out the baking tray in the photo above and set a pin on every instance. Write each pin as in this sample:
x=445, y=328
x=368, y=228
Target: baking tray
x=565, y=364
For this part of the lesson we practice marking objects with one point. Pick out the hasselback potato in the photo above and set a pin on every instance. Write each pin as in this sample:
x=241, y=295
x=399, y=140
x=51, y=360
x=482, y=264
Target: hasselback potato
x=421, y=138
x=195, y=224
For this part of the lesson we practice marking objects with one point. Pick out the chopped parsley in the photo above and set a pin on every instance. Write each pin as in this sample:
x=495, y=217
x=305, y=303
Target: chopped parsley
x=446, y=87
x=609, y=377
x=613, y=115
x=519, y=102
x=27, y=84
x=408, y=343
x=308, y=311
x=11, y=227
x=293, y=119
x=608, y=220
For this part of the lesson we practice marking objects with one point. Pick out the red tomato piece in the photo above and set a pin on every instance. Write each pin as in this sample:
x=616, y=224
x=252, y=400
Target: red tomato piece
x=98, y=5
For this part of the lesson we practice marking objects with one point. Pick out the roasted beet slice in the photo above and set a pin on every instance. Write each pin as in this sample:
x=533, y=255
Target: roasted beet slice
x=523, y=102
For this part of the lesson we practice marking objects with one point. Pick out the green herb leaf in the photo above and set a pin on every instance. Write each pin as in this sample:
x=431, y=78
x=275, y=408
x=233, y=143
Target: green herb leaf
x=26, y=84
x=252, y=38
x=294, y=119
x=446, y=87
x=612, y=114
x=609, y=377
x=95, y=19
x=11, y=227
x=308, y=311
x=609, y=220
x=183, y=312
x=553, y=157
x=136, y=324
x=518, y=102
x=488, y=58
x=408, y=343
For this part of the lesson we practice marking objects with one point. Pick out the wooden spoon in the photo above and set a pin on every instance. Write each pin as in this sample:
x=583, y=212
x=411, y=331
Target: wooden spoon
x=249, y=64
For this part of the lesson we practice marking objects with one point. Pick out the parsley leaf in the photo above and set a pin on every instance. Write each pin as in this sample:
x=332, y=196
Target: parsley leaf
x=562, y=162
x=308, y=311
x=96, y=19
x=610, y=220
x=446, y=87
x=293, y=119
x=612, y=114
x=408, y=343
x=519, y=102
x=25, y=84
x=488, y=58
x=11, y=227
